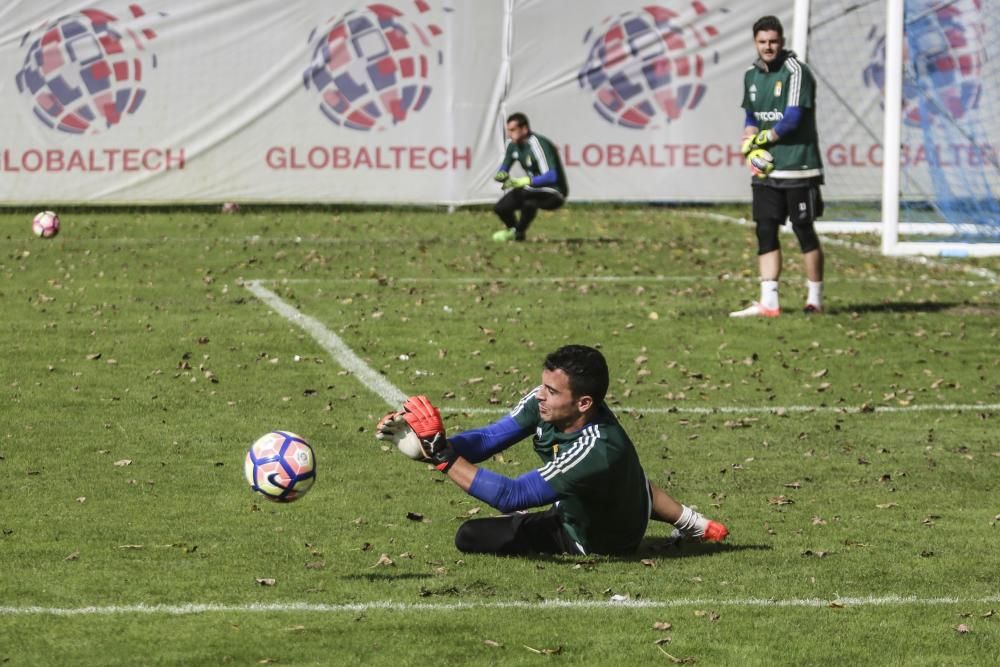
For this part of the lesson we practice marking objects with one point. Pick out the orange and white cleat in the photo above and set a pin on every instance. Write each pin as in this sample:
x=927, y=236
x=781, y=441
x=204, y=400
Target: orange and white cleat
x=756, y=310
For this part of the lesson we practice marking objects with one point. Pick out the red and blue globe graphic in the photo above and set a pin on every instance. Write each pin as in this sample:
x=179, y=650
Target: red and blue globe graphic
x=84, y=71
x=648, y=65
x=372, y=68
x=944, y=52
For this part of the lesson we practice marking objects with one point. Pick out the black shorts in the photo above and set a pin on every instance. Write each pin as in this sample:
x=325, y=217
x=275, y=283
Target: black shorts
x=800, y=205
x=518, y=534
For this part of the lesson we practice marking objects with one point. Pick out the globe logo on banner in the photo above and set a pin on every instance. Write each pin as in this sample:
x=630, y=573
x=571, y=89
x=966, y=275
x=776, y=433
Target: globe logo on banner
x=83, y=71
x=943, y=55
x=372, y=67
x=648, y=64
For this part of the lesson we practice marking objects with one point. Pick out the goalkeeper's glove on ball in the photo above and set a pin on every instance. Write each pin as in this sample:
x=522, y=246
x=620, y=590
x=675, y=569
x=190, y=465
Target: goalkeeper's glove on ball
x=389, y=425
x=761, y=162
x=425, y=420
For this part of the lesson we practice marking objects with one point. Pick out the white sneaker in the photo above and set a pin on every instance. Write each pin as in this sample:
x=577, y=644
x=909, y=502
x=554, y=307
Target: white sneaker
x=756, y=310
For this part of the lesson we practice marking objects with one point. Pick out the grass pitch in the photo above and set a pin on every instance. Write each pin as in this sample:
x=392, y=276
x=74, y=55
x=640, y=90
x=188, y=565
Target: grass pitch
x=853, y=455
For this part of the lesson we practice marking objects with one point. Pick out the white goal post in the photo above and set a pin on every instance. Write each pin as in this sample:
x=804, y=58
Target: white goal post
x=936, y=62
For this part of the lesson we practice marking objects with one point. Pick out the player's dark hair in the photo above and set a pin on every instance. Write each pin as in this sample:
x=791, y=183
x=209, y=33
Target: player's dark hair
x=767, y=23
x=586, y=368
x=519, y=118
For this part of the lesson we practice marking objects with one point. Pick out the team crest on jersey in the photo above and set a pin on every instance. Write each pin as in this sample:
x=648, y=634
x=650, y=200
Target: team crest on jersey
x=753, y=92
x=777, y=89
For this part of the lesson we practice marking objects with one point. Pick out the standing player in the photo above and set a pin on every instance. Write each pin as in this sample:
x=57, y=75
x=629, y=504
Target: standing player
x=544, y=186
x=590, y=472
x=779, y=99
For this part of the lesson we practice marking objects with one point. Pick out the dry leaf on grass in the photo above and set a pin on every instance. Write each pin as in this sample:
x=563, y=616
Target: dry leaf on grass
x=677, y=661
x=545, y=651
x=384, y=560
x=663, y=626
x=266, y=582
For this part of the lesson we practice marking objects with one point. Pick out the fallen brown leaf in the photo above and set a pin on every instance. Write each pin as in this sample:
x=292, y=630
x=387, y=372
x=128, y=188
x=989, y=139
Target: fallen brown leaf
x=384, y=560
x=545, y=651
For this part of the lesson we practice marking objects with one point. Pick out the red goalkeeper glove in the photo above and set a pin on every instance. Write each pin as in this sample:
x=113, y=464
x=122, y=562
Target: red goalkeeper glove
x=425, y=420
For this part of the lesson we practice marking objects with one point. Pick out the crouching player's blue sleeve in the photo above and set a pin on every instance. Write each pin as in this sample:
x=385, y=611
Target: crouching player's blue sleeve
x=510, y=495
x=479, y=444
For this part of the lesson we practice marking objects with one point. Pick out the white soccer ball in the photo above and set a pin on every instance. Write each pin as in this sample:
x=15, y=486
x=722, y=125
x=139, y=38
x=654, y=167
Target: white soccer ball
x=407, y=442
x=280, y=466
x=45, y=224
x=762, y=161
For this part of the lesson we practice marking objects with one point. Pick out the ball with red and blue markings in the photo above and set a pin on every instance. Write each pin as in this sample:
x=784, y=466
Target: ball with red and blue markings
x=281, y=466
x=45, y=224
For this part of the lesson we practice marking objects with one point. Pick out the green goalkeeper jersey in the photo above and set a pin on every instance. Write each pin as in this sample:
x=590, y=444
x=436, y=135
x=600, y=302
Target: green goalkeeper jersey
x=766, y=94
x=604, y=498
x=538, y=157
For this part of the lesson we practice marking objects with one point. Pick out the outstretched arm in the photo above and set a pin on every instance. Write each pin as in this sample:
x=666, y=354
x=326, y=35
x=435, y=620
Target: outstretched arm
x=479, y=444
x=503, y=493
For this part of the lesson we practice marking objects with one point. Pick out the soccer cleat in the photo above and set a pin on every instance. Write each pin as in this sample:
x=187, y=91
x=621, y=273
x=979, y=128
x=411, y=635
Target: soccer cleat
x=504, y=235
x=812, y=309
x=715, y=532
x=756, y=310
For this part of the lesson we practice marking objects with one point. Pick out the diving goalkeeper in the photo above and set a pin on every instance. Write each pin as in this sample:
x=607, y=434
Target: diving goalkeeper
x=544, y=185
x=601, y=501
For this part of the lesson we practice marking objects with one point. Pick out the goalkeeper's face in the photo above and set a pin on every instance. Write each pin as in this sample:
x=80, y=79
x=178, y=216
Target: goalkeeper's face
x=769, y=44
x=516, y=131
x=557, y=405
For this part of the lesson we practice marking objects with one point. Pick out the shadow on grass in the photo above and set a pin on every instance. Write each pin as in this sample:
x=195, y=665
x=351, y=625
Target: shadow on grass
x=655, y=547
x=664, y=547
x=894, y=307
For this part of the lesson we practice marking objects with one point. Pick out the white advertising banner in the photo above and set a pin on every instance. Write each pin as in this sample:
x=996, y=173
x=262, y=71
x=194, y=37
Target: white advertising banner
x=401, y=101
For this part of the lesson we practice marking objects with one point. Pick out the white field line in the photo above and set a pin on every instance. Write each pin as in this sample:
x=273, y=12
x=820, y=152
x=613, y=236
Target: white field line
x=355, y=607
x=394, y=397
x=333, y=344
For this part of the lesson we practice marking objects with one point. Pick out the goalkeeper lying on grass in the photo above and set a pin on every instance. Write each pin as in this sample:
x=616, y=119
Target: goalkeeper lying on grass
x=590, y=473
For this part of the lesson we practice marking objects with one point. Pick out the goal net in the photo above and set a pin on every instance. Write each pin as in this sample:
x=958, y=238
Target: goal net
x=909, y=117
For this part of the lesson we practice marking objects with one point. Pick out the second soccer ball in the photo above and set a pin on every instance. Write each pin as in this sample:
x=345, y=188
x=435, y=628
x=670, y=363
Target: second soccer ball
x=45, y=224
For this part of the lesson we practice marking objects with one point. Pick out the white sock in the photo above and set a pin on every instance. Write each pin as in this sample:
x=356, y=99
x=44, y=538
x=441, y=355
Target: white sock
x=769, y=293
x=691, y=523
x=815, y=295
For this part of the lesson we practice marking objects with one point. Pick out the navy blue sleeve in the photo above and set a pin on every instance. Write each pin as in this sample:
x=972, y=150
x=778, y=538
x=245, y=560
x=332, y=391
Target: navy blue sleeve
x=548, y=178
x=790, y=120
x=510, y=495
x=750, y=121
x=479, y=444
